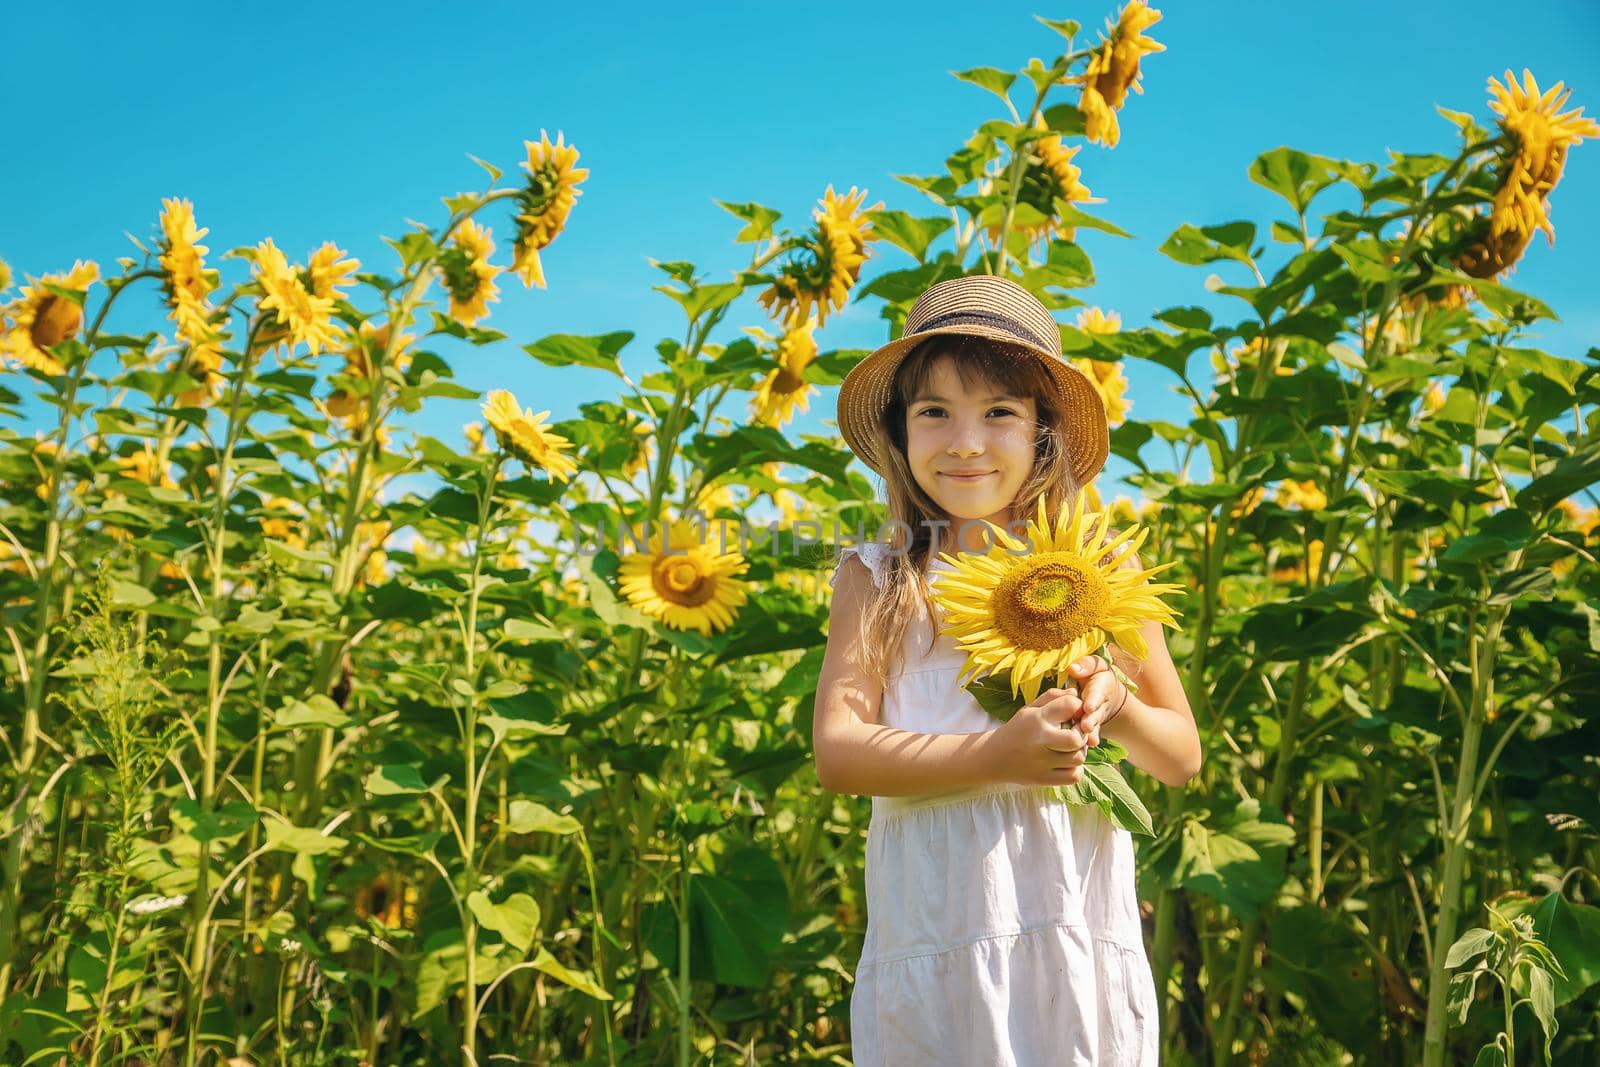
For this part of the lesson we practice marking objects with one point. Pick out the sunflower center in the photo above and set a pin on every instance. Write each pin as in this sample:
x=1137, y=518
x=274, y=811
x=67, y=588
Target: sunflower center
x=1049, y=601
x=56, y=319
x=786, y=382
x=680, y=580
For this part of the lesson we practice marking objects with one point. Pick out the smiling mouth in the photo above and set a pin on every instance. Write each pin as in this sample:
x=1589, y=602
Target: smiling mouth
x=966, y=477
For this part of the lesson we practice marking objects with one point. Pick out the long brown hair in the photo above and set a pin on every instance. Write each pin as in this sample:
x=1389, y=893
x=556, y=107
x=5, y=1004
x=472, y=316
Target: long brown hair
x=978, y=362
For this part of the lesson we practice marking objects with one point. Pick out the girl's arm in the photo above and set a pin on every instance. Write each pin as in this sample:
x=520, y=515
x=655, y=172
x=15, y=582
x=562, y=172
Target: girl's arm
x=1156, y=725
x=855, y=753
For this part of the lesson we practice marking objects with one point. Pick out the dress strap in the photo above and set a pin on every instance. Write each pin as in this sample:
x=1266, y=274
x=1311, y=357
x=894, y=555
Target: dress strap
x=872, y=554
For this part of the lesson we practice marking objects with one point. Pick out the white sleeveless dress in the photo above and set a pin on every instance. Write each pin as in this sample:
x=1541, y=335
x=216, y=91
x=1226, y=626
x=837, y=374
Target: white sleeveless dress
x=1002, y=923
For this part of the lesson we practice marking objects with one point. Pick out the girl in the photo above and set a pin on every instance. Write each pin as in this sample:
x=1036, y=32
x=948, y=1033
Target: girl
x=1002, y=924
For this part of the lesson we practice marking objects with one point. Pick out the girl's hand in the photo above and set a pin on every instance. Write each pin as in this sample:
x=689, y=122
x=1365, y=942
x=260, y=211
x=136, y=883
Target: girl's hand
x=1103, y=695
x=1033, y=748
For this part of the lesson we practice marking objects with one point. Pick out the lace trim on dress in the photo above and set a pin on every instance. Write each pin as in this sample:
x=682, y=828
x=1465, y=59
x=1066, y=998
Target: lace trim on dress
x=871, y=553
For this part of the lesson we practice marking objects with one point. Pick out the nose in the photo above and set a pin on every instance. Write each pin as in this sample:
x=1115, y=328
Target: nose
x=965, y=441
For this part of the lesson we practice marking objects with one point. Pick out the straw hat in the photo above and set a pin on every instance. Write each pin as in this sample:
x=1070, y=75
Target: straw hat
x=991, y=307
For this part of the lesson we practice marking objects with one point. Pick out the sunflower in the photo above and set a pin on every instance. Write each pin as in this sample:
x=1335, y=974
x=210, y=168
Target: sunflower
x=1246, y=357
x=1031, y=607
x=370, y=536
x=279, y=528
x=187, y=281
x=329, y=273
x=473, y=432
x=5, y=276
x=359, y=362
x=643, y=450
x=684, y=583
x=1433, y=399
x=1248, y=503
x=523, y=434
x=301, y=314
x=1303, y=495
x=1106, y=377
x=1049, y=175
x=141, y=467
x=784, y=390
x=1300, y=570
x=1114, y=69
x=546, y=201
x=1540, y=134
x=830, y=264
x=40, y=319
x=468, y=274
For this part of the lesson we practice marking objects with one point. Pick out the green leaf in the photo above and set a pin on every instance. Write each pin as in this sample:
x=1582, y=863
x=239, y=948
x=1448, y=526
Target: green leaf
x=516, y=918
x=319, y=710
x=1561, y=479
x=996, y=81
x=225, y=823
x=528, y=817
x=1126, y=809
x=737, y=920
x=129, y=595
x=1572, y=933
x=1541, y=992
x=579, y=980
x=1491, y=1055
x=568, y=350
x=758, y=220
x=993, y=694
x=699, y=299
x=400, y=780
x=418, y=845
x=1196, y=245
x=1296, y=176
x=1473, y=943
x=907, y=232
x=284, y=836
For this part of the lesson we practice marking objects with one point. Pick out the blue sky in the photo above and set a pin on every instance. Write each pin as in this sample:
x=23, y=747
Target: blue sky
x=340, y=121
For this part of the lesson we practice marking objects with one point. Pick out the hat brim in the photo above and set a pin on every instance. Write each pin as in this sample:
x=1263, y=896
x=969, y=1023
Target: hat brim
x=864, y=394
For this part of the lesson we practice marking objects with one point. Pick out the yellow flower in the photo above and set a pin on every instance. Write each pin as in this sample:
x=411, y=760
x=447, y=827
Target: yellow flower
x=1582, y=519
x=5, y=276
x=1106, y=377
x=643, y=450
x=1114, y=69
x=376, y=569
x=1031, y=607
x=1093, y=320
x=282, y=529
x=468, y=274
x=1301, y=570
x=1433, y=399
x=784, y=390
x=1246, y=357
x=522, y=433
x=141, y=467
x=41, y=319
x=830, y=264
x=545, y=203
x=1248, y=503
x=1540, y=134
x=303, y=314
x=1124, y=511
x=183, y=261
x=473, y=431
x=330, y=272
x=1303, y=495
x=684, y=583
x=1049, y=175
x=360, y=357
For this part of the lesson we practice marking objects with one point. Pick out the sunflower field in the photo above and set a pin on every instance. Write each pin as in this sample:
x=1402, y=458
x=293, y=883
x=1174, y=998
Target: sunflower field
x=301, y=768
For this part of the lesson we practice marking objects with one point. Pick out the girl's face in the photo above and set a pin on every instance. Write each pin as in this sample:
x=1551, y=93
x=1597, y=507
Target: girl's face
x=969, y=451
